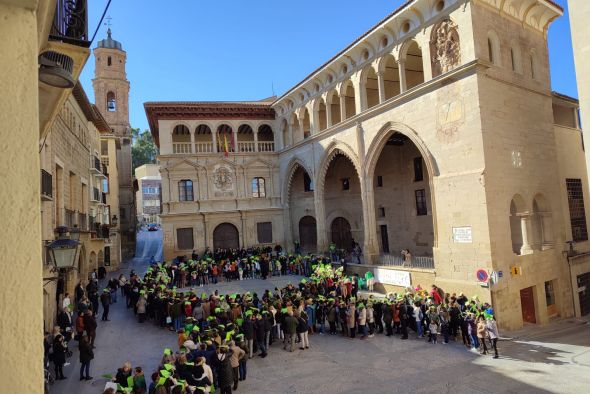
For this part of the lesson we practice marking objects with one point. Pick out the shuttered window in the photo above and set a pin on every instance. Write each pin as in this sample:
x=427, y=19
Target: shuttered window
x=575, y=198
x=264, y=232
x=184, y=238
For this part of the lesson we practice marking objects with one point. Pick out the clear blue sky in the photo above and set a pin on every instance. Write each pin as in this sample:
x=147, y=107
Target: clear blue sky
x=236, y=49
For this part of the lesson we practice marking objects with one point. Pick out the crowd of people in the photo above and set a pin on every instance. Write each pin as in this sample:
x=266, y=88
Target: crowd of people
x=219, y=333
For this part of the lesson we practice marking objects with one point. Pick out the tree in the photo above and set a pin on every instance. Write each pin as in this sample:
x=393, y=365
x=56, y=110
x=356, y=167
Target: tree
x=143, y=150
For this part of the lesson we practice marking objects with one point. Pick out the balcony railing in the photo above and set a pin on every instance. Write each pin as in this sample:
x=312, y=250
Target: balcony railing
x=203, y=147
x=70, y=23
x=248, y=146
x=266, y=146
x=415, y=262
x=95, y=196
x=181, y=147
x=46, y=185
x=95, y=165
x=70, y=218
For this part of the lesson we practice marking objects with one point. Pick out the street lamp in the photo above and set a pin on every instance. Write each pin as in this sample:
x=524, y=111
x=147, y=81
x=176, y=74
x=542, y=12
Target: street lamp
x=64, y=250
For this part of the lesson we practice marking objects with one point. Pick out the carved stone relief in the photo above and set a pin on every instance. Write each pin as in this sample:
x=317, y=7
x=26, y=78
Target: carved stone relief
x=445, y=48
x=223, y=181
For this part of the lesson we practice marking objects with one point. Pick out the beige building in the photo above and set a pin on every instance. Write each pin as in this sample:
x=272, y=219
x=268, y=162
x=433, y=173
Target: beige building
x=436, y=131
x=148, y=195
x=111, y=92
x=74, y=190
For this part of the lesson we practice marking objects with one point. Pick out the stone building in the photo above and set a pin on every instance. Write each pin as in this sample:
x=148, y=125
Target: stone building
x=74, y=189
x=111, y=92
x=579, y=12
x=148, y=194
x=435, y=132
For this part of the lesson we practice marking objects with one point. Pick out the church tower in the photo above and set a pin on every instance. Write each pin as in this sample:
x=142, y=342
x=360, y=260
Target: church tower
x=111, y=94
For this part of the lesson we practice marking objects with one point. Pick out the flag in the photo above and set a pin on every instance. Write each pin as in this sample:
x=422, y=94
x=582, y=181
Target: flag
x=225, y=147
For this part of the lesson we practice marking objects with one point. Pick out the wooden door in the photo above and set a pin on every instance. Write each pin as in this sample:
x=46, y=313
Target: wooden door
x=341, y=234
x=308, y=236
x=226, y=236
x=527, y=302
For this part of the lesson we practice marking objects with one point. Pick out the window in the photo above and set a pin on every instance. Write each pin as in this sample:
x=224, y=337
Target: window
x=111, y=102
x=104, y=148
x=575, y=198
x=490, y=50
x=421, y=208
x=109, y=61
x=346, y=184
x=381, y=212
x=533, y=66
x=379, y=181
x=105, y=186
x=150, y=190
x=307, y=183
x=418, y=171
x=549, y=293
x=264, y=230
x=185, y=190
x=258, y=188
x=512, y=59
x=184, y=238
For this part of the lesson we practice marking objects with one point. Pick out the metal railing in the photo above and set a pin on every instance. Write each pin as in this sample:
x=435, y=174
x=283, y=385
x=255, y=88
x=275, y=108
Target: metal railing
x=181, y=147
x=46, y=184
x=266, y=146
x=70, y=218
x=248, y=146
x=415, y=262
x=70, y=23
x=203, y=147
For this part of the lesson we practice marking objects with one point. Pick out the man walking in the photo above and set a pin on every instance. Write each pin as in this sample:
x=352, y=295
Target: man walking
x=105, y=300
x=290, y=329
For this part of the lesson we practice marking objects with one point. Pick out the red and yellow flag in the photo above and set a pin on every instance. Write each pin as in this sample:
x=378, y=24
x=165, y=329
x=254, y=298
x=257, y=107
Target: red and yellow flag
x=225, y=147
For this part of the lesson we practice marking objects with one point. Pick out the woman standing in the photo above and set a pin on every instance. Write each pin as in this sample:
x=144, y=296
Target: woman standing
x=482, y=334
x=86, y=355
x=492, y=329
x=59, y=355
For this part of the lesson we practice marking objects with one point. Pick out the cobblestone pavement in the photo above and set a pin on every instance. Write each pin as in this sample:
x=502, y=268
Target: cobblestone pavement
x=550, y=359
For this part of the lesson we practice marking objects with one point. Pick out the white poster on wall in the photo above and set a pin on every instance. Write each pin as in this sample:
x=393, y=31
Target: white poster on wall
x=392, y=277
x=462, y=235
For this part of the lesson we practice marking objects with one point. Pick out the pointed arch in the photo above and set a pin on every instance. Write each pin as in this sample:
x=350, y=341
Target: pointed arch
x=332, y=150
x=292, y=167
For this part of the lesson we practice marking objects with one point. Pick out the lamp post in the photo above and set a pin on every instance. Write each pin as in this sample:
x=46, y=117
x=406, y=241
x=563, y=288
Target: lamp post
x=64, y=250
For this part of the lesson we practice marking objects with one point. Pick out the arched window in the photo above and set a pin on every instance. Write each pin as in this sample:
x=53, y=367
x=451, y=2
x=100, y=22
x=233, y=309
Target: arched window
x=494, y=48
x=181, y=139
x=258, y=188
x=533, y=64
x=349, y=99
x=111, y=102
x=413, y=66
x=109, y=61
x=334, y=106
x=370, y=87
x=185, y=190
x=322, y=117
x=306, y=124
x=515, y=58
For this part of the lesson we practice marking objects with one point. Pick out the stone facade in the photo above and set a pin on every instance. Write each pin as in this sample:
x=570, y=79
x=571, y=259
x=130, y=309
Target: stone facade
x=111, y=90
x=435, y=132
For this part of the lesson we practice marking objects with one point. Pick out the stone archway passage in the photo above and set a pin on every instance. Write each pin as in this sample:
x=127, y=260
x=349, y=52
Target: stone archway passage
x=226, y=236
x=308, y=236
x=341, y=234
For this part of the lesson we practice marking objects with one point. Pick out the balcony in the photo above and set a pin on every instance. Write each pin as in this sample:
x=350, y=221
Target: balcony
x=46, y=186
x=100, y=231
x=247, y=146
x=181, y=148
x=422, y=262
x=70, y=23
x=203, y=147
x=96, y=167
x=266, y=146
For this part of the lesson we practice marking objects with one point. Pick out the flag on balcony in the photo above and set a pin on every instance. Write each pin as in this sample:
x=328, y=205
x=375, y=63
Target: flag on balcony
x=225, y=146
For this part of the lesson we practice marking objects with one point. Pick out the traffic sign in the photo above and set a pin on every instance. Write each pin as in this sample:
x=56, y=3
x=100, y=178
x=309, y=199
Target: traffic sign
x=482, y=275
x=516, y=271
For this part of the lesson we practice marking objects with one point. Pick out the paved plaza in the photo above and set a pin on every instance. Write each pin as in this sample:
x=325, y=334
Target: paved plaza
x=550, y=359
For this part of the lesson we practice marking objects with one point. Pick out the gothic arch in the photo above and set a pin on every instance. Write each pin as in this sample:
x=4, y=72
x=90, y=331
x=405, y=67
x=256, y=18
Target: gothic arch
x=335, y=148
x=288, y=179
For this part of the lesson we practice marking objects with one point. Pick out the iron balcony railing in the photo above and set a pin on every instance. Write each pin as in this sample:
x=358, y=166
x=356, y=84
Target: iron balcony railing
x=424, y=262
x=46, y=185
x=70, y=23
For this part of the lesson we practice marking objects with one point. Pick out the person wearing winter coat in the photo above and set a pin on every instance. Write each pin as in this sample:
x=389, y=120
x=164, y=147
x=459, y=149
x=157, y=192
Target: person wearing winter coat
x=248, y=329
x=303, y=331
x=492, y=329
x=362, y=321
x=482, y=334
x=259, y=333
x=123, y=374
x=290, y=329
x=332, y=316
x=225, y=377
x=388, y=318
x=141, y=308
x=86, y=355
x=237, y=354
x=59, y=355
x=351, y=319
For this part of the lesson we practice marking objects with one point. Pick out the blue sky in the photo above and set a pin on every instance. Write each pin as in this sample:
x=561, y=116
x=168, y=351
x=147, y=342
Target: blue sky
x=237, y=50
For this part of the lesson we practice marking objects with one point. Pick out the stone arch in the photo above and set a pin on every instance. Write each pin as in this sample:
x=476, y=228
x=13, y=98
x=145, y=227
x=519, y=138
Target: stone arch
x=348, y=93
x=374, y=152
x=515, y=57
x=320, y=111
x=369, y=87
x=333, y=104
x=292, y=167
x=332, y=150
x=181, y=138
x=82, y=263
x=226, y=236
x=389, y=69
x=413, y=63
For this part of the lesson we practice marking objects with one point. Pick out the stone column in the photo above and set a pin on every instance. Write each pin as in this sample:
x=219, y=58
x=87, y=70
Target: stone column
x=255, y=140
x=287, y=228
x=234, y=136
x=381, y=83
x=214, y=141
x=328, y=112
x=525, y=224
x=243, y=237
x=193, y=150
x=342, y=106
x=402, y=76
x=320, y=218
x=359, y=93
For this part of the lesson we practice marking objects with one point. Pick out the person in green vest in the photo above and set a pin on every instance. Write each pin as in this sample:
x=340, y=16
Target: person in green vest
x=370, y=278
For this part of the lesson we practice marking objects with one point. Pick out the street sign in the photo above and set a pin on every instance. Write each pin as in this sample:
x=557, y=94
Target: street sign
x=482, y=275
x=516, y=271
x=500, y=274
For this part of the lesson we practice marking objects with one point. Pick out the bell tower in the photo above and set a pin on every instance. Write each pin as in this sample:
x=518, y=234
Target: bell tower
x=111, y=93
